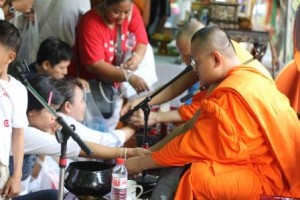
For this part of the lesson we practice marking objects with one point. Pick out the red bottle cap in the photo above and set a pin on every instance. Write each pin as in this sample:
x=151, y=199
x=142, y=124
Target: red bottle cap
x=120, y=161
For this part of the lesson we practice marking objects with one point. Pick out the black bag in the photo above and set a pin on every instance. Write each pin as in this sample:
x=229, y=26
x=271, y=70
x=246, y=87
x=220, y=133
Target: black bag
x=105, y=96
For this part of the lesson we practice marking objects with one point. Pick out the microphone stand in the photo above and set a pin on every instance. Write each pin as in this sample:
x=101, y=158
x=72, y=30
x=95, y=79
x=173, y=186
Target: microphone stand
x=62, y=136
x=144, y=104
x=146, y=110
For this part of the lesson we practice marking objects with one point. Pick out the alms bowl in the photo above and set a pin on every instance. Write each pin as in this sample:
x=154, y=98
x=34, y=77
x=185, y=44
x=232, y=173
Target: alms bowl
x=88, y=178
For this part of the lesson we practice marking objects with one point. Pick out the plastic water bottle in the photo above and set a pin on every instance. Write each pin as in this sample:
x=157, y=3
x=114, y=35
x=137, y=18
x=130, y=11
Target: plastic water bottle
x=130, y=44
x=119, y=181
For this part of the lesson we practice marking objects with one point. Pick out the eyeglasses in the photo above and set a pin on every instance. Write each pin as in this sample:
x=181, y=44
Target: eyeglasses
x=194, y=63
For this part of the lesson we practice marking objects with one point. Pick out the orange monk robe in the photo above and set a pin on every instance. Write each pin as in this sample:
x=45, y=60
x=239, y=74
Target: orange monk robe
x=244, y=144
x=288, y=82
x=187, y=111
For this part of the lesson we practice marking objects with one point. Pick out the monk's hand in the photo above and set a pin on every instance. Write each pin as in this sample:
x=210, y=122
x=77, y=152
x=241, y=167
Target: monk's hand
x=138, y=84
x=133, y=165
x=132, y=152
x=138, y=118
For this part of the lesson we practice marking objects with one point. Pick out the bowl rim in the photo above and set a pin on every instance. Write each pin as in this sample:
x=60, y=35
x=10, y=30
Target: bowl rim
x=78, y=165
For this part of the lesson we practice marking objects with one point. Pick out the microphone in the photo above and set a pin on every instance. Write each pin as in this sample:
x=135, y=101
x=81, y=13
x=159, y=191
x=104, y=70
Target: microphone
x=190, y=95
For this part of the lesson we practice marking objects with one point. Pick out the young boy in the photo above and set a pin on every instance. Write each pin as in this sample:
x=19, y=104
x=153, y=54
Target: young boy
x=13, y=105
x=53, y=58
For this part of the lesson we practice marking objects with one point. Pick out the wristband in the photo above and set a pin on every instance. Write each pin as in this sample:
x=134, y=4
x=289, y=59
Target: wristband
x=127, y=74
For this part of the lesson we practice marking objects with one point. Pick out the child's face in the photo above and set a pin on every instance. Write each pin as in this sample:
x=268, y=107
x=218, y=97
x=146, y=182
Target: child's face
x=77, y=108
x=43, y=120
x=60, y=70
x=6, y=57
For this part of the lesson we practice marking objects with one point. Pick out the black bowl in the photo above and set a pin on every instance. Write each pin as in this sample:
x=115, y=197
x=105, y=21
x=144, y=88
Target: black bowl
x=88, y=178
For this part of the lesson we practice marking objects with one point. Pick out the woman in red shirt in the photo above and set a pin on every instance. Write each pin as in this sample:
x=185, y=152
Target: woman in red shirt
x=96, y=44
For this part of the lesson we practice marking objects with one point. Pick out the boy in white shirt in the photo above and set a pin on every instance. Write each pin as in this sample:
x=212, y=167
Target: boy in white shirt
x=13, y=105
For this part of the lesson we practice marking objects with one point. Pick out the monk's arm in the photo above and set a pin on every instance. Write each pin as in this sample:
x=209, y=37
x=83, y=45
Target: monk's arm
x=136, y=165
x=155, y=117
x=177, y=131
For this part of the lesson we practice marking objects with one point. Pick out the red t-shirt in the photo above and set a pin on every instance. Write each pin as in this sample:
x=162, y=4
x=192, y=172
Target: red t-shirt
x=96, y=41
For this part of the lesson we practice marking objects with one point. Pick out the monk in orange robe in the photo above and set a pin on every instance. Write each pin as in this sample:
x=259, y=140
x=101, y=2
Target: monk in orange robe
x=185, y=112
x=243, y=141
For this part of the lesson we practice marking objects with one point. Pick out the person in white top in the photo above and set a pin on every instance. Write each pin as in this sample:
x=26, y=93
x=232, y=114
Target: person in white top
x=13, y=103
x=39, y=137
x=73, y=111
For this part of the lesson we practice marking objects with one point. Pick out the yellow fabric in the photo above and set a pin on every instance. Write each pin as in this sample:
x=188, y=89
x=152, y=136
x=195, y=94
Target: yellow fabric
x=231, y=147
x=245, y=55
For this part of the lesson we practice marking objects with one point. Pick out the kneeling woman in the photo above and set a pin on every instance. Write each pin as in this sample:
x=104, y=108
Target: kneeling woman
x=39, y=137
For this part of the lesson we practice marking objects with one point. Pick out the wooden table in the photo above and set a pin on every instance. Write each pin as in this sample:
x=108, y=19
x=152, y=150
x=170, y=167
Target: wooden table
x=256, y=38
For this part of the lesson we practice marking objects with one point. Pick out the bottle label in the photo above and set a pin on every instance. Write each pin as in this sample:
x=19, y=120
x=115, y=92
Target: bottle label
x=119, y=183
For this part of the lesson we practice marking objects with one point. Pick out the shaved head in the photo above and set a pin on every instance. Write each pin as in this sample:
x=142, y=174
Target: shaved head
x=212, y=38
x=188, y=30
x=212, y=54
x=183, y=39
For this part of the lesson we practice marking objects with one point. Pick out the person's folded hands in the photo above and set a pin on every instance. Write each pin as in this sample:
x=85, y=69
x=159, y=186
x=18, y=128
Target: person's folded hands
x=137, y=119
x=130, y=105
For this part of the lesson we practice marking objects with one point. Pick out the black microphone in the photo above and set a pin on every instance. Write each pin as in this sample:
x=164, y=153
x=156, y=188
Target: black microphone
x=190, y=95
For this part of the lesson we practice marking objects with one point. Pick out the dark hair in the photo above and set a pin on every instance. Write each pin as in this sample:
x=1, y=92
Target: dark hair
x=110, y=2
x=53, y=50
x=10, y=36
x=66, y=87
x=43, y=84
